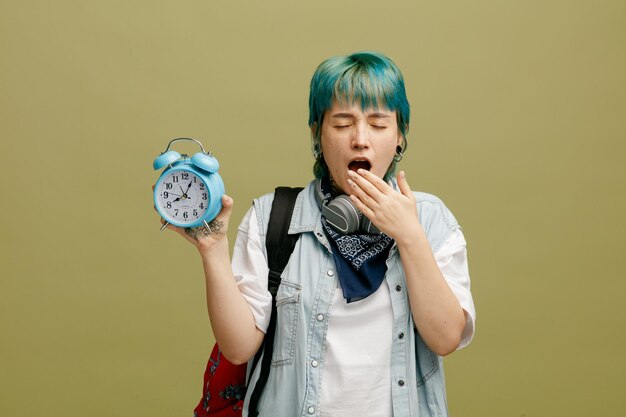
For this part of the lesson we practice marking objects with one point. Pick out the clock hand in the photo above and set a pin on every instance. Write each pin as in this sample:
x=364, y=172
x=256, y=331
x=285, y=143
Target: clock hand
x=184, y=196
x=179, y=196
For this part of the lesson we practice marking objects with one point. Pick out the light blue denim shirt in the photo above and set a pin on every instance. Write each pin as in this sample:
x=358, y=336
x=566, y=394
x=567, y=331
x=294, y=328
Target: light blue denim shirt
x=303, y=301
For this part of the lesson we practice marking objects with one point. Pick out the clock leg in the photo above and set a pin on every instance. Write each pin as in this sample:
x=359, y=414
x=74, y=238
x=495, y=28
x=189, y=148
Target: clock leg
x=206, y=225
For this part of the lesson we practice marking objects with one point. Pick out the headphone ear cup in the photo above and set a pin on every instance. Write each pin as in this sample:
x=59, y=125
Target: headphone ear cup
x=342, y=215
x=367, y=227
x=205, y=162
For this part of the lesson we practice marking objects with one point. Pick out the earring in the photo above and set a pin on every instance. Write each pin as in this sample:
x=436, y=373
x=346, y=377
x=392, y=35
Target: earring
x=317, y=152
x=398, y=156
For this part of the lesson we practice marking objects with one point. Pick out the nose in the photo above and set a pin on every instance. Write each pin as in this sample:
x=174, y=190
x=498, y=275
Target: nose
x=360, y=138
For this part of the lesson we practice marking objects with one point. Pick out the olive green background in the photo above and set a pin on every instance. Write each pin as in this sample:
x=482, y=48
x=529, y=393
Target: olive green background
x=518, y=123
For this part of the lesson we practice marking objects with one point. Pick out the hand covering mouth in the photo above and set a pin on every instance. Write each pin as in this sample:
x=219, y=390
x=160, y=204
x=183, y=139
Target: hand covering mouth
x=363, y=164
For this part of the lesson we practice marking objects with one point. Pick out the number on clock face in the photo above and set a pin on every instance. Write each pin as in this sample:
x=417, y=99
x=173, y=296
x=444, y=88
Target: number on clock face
x=182, y=196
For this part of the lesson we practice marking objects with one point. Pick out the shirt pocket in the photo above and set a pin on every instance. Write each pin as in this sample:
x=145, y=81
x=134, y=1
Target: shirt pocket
x=287, y=308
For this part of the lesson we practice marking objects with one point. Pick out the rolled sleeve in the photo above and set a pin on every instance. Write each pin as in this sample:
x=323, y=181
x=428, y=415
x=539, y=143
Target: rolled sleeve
x=250, y=269
x=452, y=261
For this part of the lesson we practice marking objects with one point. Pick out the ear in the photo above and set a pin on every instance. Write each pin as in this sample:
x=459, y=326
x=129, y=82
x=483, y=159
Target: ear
x=400, y=142
x=316, y=145
x=401, y=138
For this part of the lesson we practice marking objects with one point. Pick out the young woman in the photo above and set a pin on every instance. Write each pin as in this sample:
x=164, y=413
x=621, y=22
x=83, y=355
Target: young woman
x=366, y=307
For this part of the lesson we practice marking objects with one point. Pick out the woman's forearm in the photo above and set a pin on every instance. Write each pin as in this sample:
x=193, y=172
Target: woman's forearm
x=231, y=319
x=436, y=311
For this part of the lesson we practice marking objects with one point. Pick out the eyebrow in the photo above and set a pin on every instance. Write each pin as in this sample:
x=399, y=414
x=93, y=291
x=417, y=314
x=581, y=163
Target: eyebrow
x=350, y=115
x=379, y=115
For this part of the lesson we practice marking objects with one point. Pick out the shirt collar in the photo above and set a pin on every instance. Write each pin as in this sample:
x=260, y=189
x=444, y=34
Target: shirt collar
x=306, y=215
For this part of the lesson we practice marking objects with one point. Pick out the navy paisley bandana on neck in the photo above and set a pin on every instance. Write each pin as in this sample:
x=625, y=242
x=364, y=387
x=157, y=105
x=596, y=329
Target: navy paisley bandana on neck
x=360, y=258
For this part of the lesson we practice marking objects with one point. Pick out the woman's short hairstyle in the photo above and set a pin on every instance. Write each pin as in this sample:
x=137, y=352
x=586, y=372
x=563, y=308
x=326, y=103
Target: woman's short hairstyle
x=368, y=78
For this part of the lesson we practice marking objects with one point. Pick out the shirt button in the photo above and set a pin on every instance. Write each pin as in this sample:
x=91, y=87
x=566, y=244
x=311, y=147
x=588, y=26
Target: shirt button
x=398, y=288
x=330, y=273
x=320, y=317
x=314, y=363
x=401, y=382
x=401, y=336
x=311, y=410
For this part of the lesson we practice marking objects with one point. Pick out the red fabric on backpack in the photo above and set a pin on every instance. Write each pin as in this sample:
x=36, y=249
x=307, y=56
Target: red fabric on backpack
x=224, y=388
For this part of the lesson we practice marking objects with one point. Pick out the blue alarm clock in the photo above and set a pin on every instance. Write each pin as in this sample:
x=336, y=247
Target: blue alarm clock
x=189, y=191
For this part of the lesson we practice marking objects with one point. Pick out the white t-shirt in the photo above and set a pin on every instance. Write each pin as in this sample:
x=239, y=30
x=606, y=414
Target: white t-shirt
x=357, y=355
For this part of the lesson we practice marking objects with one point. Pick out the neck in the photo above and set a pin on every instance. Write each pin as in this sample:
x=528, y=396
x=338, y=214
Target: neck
x=334, y=188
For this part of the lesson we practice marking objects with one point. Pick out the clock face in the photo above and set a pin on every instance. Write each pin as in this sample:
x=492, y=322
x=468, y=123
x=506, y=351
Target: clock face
x=182, y=197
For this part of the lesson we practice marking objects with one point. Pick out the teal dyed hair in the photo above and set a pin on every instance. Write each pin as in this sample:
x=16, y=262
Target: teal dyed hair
x=368, y=78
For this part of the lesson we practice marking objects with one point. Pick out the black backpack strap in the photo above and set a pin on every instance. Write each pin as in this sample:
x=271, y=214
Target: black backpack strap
x=279, y=244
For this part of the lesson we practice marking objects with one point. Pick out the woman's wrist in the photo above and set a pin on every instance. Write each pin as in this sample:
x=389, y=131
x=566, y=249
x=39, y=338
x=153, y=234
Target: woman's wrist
x=210, y=248
x=411, y=236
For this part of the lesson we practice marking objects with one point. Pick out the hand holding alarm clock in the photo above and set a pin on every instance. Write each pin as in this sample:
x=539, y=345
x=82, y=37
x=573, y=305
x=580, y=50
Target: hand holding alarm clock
x=189, y=191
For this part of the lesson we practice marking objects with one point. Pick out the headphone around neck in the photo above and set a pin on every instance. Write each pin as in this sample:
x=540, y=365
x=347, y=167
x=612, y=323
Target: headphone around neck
x=342, y=215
